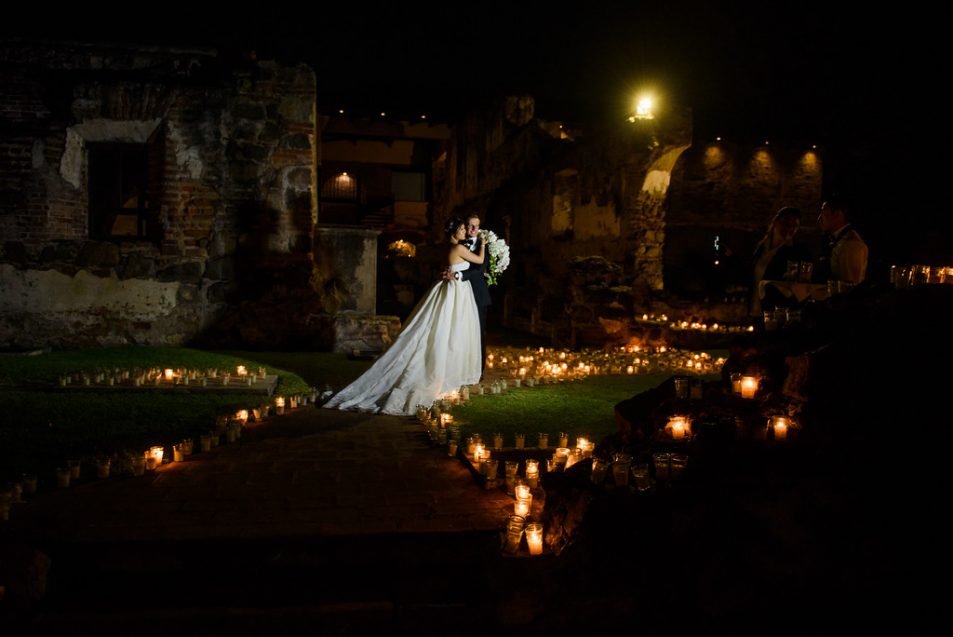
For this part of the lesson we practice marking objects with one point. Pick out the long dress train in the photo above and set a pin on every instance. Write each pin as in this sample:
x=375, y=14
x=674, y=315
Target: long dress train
x=437, y=351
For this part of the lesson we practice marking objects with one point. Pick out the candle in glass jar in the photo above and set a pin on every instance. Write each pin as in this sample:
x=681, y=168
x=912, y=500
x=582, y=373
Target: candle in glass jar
x=522, y=507
x=534, y=538
x=520, y=441
x=781, y=426
x=532, y=473
x=678, y=426
x=735, y=383
x=522, y=491
x=749, y=386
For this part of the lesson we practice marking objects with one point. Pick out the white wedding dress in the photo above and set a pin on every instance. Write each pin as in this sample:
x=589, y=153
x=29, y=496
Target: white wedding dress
x=437, y=351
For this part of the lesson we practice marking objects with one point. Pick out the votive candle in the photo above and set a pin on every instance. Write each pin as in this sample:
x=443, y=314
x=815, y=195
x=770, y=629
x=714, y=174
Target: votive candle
x=781, y=426
x=749, y=386
x=534, y=538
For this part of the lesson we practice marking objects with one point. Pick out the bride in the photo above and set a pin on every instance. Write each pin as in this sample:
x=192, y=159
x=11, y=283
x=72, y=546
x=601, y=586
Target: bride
x=437, y=351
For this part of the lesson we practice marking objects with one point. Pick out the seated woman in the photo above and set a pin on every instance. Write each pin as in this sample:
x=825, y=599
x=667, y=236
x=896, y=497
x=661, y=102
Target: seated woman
x=771, y=256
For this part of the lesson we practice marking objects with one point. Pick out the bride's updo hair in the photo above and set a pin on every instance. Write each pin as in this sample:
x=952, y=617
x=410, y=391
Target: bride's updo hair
x=451, y=226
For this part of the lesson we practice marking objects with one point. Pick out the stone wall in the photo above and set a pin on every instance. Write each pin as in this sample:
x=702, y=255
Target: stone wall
x=557, y=196
x=231, y=149
x=641, y=197
x=731, y=191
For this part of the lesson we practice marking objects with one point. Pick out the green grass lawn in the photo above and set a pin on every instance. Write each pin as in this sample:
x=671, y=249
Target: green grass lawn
x=580, y=408
x=43, y=426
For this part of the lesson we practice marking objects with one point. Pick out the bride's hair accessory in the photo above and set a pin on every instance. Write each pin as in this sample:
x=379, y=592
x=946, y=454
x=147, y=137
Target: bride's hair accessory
x=451, y=226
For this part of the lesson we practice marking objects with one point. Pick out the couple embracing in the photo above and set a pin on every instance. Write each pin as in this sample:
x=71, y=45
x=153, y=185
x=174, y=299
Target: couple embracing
x=442, y=345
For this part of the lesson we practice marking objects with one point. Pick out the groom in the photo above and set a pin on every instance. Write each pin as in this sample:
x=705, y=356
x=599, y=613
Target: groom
x=476, y=275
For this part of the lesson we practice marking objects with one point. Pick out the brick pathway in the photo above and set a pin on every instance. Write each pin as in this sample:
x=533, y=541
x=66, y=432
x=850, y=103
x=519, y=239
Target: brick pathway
x=312, y=472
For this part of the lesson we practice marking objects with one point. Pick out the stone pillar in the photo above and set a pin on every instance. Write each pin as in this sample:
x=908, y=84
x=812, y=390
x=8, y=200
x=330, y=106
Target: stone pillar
x=346, y=269
x=650, y=217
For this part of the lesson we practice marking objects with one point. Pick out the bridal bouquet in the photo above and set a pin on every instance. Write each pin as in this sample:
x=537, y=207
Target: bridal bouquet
x=499, y=256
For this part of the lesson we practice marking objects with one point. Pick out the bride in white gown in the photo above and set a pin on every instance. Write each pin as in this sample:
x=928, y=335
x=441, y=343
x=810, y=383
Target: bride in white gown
x=437, y=351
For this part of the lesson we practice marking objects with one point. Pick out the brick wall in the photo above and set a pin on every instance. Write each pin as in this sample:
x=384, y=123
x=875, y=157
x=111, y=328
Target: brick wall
x=231, y=155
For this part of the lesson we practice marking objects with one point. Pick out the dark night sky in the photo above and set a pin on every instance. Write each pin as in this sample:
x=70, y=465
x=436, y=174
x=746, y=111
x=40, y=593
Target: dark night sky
x=790, y=68
x=864, y=85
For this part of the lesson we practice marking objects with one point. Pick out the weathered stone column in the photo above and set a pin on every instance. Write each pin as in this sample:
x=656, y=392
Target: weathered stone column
x=346, y=280
x=346, y=268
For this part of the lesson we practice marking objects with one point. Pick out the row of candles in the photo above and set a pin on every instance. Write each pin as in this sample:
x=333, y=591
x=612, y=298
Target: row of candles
x=229, y=427
x=680, y=427
x=702, y=326
x=902, y=276
x=441, y=427
x=667, y=465
x=546, y=363
x=138, y=377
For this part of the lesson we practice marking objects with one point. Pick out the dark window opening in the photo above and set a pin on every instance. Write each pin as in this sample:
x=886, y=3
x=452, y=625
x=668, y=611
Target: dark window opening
x=120, y=206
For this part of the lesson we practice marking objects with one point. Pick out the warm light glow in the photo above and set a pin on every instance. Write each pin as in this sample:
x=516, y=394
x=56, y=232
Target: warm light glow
x=781, y=426
x=809, y=159
x=157, y=453
x=242, y=414
x=242, y=371
x=644, y=105
x=521, y=508
x=280, y=401
x=679, y=427
x=446, y=420
x=749, y=386
x=403, y=248
x=522, y=491
x=534, y=538
x=169, y=374
x=714, y=157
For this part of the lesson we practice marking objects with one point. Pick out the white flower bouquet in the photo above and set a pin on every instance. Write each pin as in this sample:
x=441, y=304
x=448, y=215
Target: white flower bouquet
x=499, y=256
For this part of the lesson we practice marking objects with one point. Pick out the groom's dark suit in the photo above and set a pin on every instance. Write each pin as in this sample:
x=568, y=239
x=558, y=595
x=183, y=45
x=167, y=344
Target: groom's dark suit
x=481, y=293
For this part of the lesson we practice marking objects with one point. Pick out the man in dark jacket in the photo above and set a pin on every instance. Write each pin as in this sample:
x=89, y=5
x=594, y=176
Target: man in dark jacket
x=476, y=275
